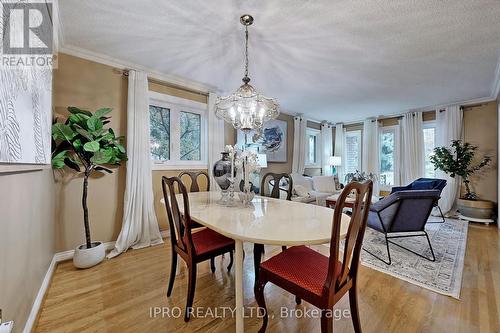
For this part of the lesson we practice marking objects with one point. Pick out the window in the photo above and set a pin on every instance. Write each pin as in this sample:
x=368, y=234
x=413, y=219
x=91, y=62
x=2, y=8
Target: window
x=389, y=159
x=177, y=132
x=352, y=151
x=313, y=157
x=429, y=145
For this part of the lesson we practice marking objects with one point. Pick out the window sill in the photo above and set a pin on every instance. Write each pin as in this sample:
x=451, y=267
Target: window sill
x=159, y=167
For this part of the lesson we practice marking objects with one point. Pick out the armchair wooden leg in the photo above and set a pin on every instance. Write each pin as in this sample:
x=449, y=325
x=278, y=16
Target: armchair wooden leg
x=298, y=300
x=326, y=322
x=191, y=289
x=212, y=264
x=353, y=303
x=259, y=297
x=230, y=261
x=173, y=271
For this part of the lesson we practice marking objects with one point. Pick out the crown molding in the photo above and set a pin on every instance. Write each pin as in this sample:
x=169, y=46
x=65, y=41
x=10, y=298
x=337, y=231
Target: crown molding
x=126, y=65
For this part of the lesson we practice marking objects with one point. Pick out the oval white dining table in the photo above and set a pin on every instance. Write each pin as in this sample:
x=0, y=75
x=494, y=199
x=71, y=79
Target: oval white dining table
x=265, y=221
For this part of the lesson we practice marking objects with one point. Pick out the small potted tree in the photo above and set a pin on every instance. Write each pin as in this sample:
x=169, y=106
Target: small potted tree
x=82, y=144
x=458, y=161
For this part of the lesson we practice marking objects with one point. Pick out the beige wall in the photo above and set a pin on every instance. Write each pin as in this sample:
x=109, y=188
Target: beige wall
x=26, y=240
x=480, y=128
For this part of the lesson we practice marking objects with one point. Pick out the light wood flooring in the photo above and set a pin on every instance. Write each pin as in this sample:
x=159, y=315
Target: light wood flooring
x=117, y=296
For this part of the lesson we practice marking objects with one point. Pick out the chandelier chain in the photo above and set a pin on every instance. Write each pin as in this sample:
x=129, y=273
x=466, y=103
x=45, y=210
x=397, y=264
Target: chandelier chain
x=246, y=54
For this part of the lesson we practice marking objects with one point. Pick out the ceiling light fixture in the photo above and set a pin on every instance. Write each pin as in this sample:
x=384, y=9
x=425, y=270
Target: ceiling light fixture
x=246, y=109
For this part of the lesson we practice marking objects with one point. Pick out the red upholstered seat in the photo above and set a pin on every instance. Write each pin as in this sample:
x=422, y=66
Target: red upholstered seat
x=207, y=240
x=302, y=266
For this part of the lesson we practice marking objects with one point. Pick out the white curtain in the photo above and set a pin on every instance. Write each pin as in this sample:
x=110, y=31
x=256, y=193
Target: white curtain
x=448, y=127
x=139, y=227
x=412, y=147
x=326, y=146
x=339, y=149
x=370, y=158
x=299, y=144
x=215, y=138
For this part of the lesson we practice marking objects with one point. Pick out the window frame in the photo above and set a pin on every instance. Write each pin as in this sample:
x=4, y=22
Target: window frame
x=397, y=160
x=176, y=105
x=318, y=155
x=359, y=134
x=426, y=125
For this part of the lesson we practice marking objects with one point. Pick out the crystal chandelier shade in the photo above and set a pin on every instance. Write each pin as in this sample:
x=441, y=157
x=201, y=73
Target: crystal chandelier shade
x=246, y=109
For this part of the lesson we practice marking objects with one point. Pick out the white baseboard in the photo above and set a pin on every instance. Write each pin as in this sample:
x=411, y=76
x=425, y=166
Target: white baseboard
x=57, y=258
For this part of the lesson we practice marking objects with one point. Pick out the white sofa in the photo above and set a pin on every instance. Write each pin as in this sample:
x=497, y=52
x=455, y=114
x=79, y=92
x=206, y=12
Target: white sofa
x=312, y=189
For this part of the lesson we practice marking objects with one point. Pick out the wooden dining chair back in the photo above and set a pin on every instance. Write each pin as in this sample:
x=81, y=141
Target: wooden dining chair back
x=194, y=175
x=270, y=185
x=321, y=280
x=179, y=224
x=341, y=273
x=192, y=247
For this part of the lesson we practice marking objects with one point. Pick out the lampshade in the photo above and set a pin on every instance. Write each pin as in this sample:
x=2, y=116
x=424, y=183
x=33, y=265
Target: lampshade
x=262, y=160
x=335, y=160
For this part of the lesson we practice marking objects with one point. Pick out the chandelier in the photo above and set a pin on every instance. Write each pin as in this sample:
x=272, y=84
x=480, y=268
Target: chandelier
x=246, y=109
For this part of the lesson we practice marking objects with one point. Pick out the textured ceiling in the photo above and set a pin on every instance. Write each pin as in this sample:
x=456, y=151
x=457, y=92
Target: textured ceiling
x=333, y=60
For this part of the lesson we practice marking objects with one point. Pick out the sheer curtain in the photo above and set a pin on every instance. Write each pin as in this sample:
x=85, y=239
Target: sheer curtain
x=215, y=138
x=139, y=227
x=370, y=158
x=339, y=150
x=412, y=147
x=326, y=144
x=299, y=144
x=449, y=124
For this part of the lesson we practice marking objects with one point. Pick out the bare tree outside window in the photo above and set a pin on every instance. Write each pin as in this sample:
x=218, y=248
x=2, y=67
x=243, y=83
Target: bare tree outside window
x=159, y=132
x=190, y=136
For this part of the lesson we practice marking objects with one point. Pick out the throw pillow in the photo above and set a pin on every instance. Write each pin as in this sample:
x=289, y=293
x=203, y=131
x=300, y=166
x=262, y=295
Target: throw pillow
x=301, y=191
x=324, y=184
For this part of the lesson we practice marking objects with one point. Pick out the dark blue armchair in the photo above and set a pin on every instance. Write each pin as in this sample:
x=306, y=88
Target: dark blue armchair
x=403, y=214
x=425, y=184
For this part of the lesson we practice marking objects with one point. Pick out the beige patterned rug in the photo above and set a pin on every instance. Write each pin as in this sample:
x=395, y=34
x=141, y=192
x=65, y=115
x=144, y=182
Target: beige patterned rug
x=444, y=276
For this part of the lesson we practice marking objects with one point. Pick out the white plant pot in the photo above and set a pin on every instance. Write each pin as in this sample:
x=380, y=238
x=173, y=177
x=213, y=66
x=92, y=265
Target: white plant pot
x=85, y=258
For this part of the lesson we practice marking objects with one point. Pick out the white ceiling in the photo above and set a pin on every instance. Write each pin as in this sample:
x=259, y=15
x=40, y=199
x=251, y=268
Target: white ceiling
x=333, y=60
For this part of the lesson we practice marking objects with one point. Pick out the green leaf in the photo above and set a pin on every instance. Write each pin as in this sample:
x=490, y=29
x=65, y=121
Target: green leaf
x=75, y=110
x=91, y=146
x=70, y=163
x=102, y=156
x=58, y=160
x=120, y=148
x=99, y=168
x=94, y=124
x=62, y=132
x=102, y=112
x=84, y=133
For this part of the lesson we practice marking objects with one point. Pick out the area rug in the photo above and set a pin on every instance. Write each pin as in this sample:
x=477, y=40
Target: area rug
x=444, y=276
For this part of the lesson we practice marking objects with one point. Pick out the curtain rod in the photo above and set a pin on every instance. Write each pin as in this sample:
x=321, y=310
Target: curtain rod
x=124, y=72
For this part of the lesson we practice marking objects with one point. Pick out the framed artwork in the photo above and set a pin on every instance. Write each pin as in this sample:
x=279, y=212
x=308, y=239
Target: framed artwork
x=272, y=142
x=25, y=117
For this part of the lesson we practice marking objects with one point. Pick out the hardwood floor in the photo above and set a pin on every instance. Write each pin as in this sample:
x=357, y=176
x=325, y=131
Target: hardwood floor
x=118, y=295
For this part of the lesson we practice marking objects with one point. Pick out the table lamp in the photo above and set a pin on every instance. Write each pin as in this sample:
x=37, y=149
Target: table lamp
x=335, y=161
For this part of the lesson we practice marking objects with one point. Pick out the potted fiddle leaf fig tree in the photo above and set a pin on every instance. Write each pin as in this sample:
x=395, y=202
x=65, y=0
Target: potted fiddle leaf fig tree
x=83, y=144
x=458, y=161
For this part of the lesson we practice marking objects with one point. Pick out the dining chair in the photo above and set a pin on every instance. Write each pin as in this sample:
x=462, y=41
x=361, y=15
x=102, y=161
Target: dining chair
x=271, y=187
x=195, y=187
x=194, y=175
x=318, y=279
x=194, y=247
